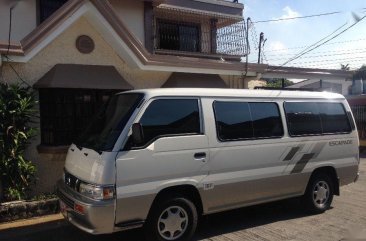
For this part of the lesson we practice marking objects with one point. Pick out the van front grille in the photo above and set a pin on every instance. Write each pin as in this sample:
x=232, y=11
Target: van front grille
x=65, y=199
x=71, y=181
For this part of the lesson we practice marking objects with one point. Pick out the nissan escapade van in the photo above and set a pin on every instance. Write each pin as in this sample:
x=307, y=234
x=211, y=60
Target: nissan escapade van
x=160, y=158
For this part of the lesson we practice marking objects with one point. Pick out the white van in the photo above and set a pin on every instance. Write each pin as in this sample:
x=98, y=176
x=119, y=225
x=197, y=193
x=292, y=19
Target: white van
x=160, y=158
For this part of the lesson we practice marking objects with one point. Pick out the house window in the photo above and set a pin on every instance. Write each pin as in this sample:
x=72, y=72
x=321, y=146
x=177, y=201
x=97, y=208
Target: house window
x=48, y=7
x=65, y=113
x=177, y=36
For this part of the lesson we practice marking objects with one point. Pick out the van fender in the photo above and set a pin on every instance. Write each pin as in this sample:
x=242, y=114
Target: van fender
x=177, y=182
x=330, y=169
x=188, y=187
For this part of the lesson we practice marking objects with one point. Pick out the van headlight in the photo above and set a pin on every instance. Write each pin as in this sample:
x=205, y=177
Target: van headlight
x=97, y=192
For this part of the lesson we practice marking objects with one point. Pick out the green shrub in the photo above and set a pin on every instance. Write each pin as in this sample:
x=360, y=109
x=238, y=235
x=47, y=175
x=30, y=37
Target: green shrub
x=16, y=114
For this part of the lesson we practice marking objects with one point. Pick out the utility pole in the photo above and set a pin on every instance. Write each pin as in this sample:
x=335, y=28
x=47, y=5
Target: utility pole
x=261, y=39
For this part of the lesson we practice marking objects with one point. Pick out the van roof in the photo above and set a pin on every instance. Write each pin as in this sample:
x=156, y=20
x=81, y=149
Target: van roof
x=211, y=92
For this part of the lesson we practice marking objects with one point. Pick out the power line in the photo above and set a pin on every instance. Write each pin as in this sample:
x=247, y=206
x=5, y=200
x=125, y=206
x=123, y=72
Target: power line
x=300, y=47
x=321, y=40
x=331, y=63
x=319, y=45
x=309, y=16
x=324, y=55
x=331, y=60
x=328, y=65
x=345, y=51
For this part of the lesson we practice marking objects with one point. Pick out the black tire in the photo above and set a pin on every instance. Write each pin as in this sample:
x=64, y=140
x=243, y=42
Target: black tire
x=319, y=193
x=153, y=224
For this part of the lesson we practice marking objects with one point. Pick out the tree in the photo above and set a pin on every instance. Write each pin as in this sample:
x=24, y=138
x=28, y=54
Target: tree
x=345, y=67
x=16, y=113
x=360, y=73
x=277, y=83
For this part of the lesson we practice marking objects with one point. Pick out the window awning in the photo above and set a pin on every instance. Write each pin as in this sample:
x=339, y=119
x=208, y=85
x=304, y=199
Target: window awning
x=74, y=76
x=190, y=80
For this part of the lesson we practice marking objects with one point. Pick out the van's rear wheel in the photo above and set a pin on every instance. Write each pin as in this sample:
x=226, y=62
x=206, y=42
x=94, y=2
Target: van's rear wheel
x=319, y=193
x=175, y=219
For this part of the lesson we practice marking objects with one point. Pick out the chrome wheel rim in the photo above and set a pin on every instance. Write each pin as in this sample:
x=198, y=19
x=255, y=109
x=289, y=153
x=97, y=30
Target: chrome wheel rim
x=321, y=194
x=172, y=223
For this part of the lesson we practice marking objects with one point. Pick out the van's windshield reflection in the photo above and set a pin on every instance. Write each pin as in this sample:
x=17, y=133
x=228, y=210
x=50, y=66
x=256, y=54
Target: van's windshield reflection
x=107, y=125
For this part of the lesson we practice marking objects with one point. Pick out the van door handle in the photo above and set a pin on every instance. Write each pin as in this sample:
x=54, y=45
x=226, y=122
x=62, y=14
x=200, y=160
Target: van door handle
x=200, y=156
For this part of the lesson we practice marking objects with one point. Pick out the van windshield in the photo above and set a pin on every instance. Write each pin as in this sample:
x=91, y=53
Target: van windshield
x=107, y=125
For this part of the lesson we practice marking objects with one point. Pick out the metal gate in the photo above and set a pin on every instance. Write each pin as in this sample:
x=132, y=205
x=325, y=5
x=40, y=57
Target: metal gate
x=359, y=112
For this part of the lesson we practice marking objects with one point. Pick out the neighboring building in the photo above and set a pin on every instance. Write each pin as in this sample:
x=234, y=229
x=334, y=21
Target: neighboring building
x=337, y=86
x=337, y=81
x=77, y=53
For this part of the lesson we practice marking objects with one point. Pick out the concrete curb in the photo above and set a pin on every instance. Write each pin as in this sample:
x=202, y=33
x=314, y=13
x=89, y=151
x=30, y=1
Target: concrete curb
x=27, y=209
x=31, y=221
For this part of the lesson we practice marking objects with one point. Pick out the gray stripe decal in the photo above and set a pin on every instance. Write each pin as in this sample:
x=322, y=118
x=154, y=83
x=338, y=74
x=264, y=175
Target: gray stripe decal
x=300, y=165
x=292, y=153
x=318, y=148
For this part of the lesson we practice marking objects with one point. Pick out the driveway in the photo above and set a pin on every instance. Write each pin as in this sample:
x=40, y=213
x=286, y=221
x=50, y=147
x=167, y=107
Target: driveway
x=282, y=220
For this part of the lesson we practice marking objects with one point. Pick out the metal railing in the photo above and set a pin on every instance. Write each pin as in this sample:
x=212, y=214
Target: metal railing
x=185, y=32
x=359, y=113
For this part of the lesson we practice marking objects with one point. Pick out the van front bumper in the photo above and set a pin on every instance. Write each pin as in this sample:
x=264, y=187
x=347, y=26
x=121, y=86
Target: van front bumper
x=97, y=217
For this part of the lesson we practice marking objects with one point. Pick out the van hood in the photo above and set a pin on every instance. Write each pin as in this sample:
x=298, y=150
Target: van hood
x=90, y=166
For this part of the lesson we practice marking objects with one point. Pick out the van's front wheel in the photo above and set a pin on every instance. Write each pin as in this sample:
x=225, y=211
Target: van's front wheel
x=175, y=219
x=319, y=193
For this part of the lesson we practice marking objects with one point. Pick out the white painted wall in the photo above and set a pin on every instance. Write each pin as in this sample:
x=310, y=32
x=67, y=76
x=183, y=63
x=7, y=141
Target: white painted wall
x=24, y=19
x=131, y=12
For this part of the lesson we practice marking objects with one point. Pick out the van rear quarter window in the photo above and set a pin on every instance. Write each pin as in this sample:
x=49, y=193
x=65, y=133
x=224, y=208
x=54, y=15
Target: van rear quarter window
x=316, y=118
x=334, y=118
x=242, y=120
x=170, y=117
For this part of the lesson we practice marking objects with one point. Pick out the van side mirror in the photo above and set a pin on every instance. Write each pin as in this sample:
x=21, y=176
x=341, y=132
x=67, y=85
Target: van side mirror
x=137, y=134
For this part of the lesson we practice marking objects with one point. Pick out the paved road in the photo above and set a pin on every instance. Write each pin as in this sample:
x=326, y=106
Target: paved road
x=283, y=220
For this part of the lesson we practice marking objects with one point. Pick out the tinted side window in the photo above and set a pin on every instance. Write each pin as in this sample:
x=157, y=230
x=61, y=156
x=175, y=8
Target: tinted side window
x=266, y=120
x=303, y=118
x=334, y=118
x=241, y=120
x=170, y=117
x=316, y=118
x=233, y=120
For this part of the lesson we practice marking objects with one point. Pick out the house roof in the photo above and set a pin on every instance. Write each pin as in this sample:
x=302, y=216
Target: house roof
x=35, y=41
x=75, y=76
x=188, y=80
x=306, y=73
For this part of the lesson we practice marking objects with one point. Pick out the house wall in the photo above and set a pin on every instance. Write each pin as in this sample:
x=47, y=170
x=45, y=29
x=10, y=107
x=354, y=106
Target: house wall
x=24, y=19
x=62, y=50
x=234, y=81
x=131, y=13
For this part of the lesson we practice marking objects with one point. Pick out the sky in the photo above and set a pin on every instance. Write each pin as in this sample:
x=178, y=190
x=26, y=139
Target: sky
x=286, y=39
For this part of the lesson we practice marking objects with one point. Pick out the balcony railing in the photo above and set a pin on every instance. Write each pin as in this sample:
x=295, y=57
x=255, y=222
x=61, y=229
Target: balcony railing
x=191, y=33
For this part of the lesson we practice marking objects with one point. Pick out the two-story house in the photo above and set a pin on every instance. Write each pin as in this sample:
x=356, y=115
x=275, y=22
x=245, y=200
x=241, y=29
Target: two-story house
x=77, y=53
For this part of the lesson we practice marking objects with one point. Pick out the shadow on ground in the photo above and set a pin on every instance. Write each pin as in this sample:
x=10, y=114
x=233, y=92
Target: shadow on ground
x=210, y=226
